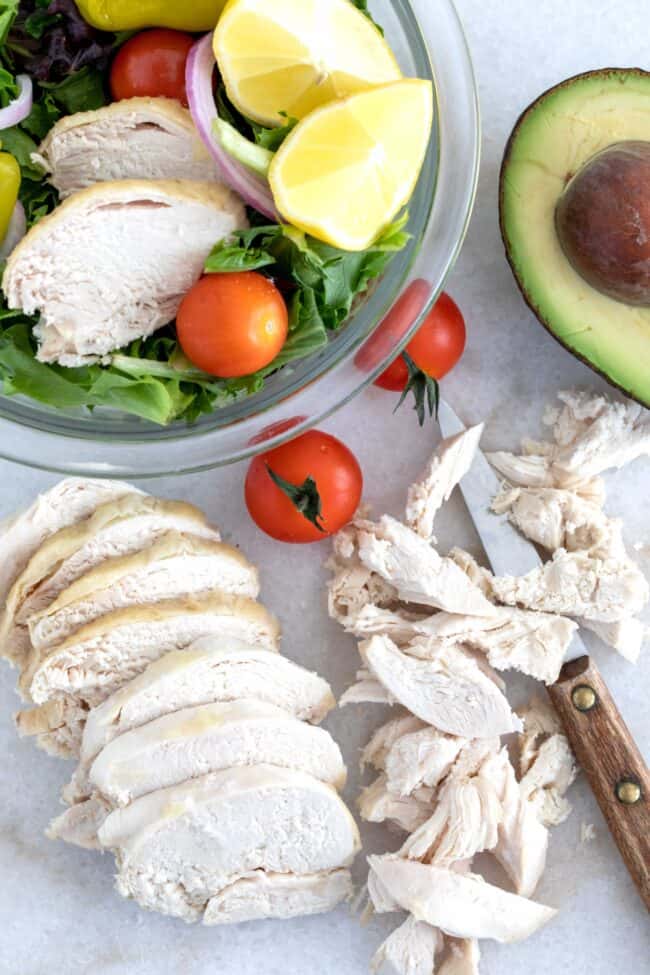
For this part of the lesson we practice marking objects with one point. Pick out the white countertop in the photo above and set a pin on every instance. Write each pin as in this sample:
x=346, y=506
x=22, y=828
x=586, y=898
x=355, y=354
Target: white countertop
x=58, y=911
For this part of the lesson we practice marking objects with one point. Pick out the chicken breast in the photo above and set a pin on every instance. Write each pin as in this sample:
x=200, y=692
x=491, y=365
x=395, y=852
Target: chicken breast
x=178, y=848
x=117, y=528
x=186, y=745
x=175, y=565
x=555, y=518
x=378, y=805
x=278, y=895
x=414, y=568
x=113, y=262
x=467, y=811
x=626, y=636
x=104, y=655
x=194, y=741
x=410, y=950
x=68, y=502
x=379, y=747
x=448, y=691
x=512, y=639
x=447, y=467
x=135, y=138
x=213, y=669
x=420, y=758
x=464, y=906
x=576, y=584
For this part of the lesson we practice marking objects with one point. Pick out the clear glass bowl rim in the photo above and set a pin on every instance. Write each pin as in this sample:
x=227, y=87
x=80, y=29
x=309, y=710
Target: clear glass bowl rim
x=177, y=450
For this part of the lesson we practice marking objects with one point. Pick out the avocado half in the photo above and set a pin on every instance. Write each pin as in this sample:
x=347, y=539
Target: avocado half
x=553, y=139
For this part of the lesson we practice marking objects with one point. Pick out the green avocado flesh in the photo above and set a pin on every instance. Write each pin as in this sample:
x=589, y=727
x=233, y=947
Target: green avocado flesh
x=552, y=141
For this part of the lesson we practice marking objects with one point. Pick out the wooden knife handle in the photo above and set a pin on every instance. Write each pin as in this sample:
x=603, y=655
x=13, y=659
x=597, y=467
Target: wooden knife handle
x=607, y=753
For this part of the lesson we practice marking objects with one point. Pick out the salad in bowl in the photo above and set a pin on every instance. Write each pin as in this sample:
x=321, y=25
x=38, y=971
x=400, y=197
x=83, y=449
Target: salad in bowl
x=194, y=197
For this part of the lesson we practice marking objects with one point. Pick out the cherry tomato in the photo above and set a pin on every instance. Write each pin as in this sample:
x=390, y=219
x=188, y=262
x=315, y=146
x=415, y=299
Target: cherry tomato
x=316, y=455
x=232, y=324
x=435, y=348
x=151, y=64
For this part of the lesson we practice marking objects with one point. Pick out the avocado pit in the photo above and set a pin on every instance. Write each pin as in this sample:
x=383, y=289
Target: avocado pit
x=603, y=222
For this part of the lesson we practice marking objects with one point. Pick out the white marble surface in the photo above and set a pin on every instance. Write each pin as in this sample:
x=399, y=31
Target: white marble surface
x=58, y=911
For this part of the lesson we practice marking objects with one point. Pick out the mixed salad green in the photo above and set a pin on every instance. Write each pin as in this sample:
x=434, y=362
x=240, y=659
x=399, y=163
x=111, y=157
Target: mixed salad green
x=68, y=62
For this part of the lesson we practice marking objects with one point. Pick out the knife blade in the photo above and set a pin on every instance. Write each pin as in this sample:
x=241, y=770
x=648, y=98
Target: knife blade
x=599, y=737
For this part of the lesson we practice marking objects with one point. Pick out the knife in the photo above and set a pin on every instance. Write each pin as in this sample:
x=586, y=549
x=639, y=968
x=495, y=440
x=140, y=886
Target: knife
x=599, y=737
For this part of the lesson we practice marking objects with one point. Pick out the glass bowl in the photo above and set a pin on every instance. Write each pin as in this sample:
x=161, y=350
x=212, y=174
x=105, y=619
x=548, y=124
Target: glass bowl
x=428, y=39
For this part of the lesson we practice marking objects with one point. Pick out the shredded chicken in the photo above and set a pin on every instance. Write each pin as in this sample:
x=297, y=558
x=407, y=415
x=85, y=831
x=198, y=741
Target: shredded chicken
x=410, y=950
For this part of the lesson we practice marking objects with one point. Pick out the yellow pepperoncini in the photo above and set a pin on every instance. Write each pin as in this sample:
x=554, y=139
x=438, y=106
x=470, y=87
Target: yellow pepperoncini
x=9, y=186
x=115, y=15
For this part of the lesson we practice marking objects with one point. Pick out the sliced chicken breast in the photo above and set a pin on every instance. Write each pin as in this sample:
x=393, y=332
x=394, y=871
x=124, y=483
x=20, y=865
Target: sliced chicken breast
x=103, y=655
x=278, y=895
x=575, y=584
x=113, y=262
x=68, y=502
x=213, y=669
x=175, y=565
x=406, y=561
x=451, y=461
x=128, y=524
x=464, y=906
x=449, y=691
x=135, y=138
x=420, y=758
x=178, y=848
x=380, y=745
x=377, y=804
x=195, y=741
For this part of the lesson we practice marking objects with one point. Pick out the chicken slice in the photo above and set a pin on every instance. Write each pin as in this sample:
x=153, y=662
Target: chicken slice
x=128, y=524
x=618, y=433
x=277, y=895
x=468, y=810
x=448, y=691
x=555, y=518
x=377, y=804
x=463, y=958
x=513, y=639
x=190, y=743
x=530, y=470
x=194, y=741
x=414, y=568
x=178, y=848
x=213, y=669
x=451, y=461
x=463, y=906
x=420, y=758
x=523, y=840
x=104, y=655
x=477, y=574
x=135, y=138
x=537, y=802
x=410, y=950
x=68, y=502
x=575, y=584
x=112, y=263
x=378, y=748
x=175, y=565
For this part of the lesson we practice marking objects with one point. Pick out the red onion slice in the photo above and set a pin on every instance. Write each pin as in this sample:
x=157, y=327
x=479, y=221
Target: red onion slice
x=15, y=232
x=20, y=107
x=198, y=81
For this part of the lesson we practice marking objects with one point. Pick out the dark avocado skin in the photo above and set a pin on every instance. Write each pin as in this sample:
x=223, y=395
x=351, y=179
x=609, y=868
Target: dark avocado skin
x=528, y=298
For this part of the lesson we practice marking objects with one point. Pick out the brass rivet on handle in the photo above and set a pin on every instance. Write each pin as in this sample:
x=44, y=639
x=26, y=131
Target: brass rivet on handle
x=628, y=791
x=584, y=697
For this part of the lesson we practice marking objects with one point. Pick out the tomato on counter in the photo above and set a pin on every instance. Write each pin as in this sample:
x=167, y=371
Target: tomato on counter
x=304, y=490
x=435, y=348
x=152, y=64
x=232, y=324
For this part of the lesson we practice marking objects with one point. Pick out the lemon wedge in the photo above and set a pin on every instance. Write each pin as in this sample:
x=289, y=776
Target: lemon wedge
x=348, y=168
x=293, y=56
